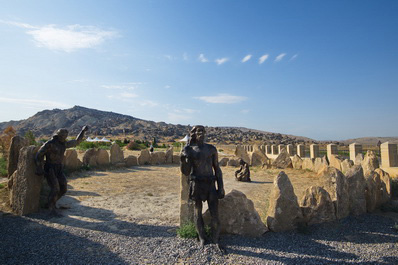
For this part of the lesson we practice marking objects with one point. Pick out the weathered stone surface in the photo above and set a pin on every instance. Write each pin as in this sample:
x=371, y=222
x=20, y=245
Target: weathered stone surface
x=373, y=194
x=317, y=206
x=257, y=157
x=161, y=157
x=238, y=216
x=297, y=162
x=89, y=157
x=284, y=211
x=131, y=161
x=144, y=158
x=320, y=164
x=283, y=160
x=26, y=185
x=242, y=153
x=71, y=161
x=17, y=142
x=186, y=205
x=369, y=163
x=102, y=158
x=334, y=182
x=346, y=165
x=385, y=185
x=358, y=159
x=169, y=156
x=356, y=190
x=335, y=161
x=308, y=163
x=176, y=159
x=116, y=154
x=233, y=162
x=154, y=158
x=223, y=161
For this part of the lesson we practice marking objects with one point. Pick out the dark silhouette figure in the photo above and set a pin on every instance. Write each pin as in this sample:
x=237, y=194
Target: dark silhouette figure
x=53, y=150
x=243, y=173
x=200, y=161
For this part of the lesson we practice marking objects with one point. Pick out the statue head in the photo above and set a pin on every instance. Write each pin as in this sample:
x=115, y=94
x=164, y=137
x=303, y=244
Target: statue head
x=61, y=135
x=198, y=134
x=241, y=162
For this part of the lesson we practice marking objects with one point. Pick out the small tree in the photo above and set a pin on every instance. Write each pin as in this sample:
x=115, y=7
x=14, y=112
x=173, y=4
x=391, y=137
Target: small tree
x=30, y=137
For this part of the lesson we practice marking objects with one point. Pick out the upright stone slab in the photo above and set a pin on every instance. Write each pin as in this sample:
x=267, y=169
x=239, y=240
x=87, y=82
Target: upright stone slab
x=320, y=163
x=290, y=149
x=385, y=185
x=317, y=206
x=297, y=162
x=314, y=151
x=346, y=165
x=116, y=154
x=17, y=142
x=161, y=157
x=131, y=161
x=308, y=163
x=334, y=182
x=144, y=158
x=169, y=155
x=301, y=150
x=283, y=160
x=373, y=193
x=281, y=147
x=186, y=205
x=26, y=185
x=102, y=158
x=284, y=212
x=71, y=161
x=355, y=149
x=268, y=149
x=389, y=155
x=258, y=158
x=369, y=163
x=331, y=149
x=335, y=161
x=356, y=186
x=274, y=149
x=242, y=153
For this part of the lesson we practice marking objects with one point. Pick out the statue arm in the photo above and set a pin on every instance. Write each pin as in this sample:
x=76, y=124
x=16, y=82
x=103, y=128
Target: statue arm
x=79, y=138
x=218, y=174
x=186, y=164
x=39, y=158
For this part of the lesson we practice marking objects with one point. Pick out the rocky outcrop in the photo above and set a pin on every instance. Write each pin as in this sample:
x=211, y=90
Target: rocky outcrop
x=284, y=212
x=283, y=160
x=358, y=159
x=317, y=206
x=116, y=154
x=334, y=182
x=144, y=158
x=25, y=184
x=238, y=216
x=346, y=165
x=335, y=161
x=297, y=162
x=131, y=161
x=356, y=186
x=369, y=163
x=320, y=164
x=17, y=142
x=71, y=161
x=223, y=161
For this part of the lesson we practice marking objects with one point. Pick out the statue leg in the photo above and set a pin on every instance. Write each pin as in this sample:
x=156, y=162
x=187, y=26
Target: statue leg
x=63, y=185
x=54, y=190
x=199, y=224
x=215, y=222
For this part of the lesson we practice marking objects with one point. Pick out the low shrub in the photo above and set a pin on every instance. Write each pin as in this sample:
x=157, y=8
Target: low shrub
x=136, y=145
x=3, y=167
x=188, y=230
x=87, y=145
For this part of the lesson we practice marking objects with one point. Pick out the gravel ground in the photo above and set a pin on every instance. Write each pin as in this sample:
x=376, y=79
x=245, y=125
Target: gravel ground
x=38, y=239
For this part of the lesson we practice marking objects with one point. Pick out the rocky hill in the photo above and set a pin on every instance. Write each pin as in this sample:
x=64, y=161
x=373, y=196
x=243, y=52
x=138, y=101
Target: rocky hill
x=103, y=123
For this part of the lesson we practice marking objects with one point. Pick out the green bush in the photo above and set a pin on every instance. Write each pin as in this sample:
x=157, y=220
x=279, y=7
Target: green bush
x=87, y=145
x=136, y=145
x=30, y=137
x=2, y=186
x=3, y=167
x=121, y=143
x=188, y=230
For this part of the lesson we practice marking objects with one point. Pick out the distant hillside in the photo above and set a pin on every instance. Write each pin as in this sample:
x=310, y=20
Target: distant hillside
x=371, y=140
x=104, y=123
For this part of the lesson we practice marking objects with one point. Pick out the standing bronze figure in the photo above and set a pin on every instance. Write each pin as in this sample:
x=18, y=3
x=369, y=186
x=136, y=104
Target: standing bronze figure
x=200, y=162
x=53, y=150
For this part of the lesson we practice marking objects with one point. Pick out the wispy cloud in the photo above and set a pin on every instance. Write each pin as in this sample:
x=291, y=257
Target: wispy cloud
x=167, y=86
x=185, y=56
x=148, y=103
x=169, y=57
x=202, y=58
x=293, y=57
x=220, y=61
x=126, y=86
x=263, y=58
x=246, y=58
x=222, y=98
x=128, y=95
x=34, y=102
x=67, y=39
x=245, y=111
x=124, y=96
x=280, y=57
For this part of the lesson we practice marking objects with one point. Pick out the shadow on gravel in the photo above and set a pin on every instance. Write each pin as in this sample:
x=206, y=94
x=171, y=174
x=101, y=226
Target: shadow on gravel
x=314, y=242
x=25, y=241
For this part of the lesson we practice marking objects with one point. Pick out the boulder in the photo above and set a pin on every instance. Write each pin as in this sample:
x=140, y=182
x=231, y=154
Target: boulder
x=257, y=157
x=238, y=216
x=369, y=163
x=335, y=161
x=144, y=158
x=242, y=153
x=223, y=161
x=346, y=165
x=308, y=163
x=358, y=159
x=26, y=185
x=161, y=157
x=233, y=162
x=89, y=157
x=317, y=206
x=334, y=182
x=102, y=158
x=320, y=164
x=116, y=154
x=297, y=162
x=169, y=156
x=131, y=161
x=154, y=158
x=283, y=160
x=71, y=161
x=372, y=191
x=385, y=185
x=176, y=159
x=284, y=212
x=356, y=186
x=17, y=142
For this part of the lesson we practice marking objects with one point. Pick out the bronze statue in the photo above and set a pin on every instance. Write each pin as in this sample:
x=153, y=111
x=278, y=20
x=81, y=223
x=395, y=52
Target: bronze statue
x=53, y=150
x=200, y=162
x=243, y=173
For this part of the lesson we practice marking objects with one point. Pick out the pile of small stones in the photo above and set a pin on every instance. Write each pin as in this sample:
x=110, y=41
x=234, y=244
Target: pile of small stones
x=38, y=239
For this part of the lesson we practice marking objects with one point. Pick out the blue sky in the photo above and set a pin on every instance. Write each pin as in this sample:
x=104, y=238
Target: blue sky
x=321, y=69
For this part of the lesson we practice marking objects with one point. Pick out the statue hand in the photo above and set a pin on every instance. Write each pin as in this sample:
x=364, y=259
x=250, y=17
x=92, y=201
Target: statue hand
x=221, y=193
x=85, y=128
